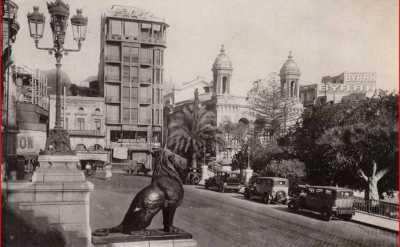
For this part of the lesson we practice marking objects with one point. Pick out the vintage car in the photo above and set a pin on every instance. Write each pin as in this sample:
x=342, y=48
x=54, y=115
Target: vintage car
x=327, y=200
x=224, y=181
x=268, y=189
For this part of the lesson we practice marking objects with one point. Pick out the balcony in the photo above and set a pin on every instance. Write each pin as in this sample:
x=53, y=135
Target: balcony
x=112, y=59
x=145, y=121
x=112, y=100
x=146, y=61
x=108, y=78
x=153, y=40
x=145, y=100
x=95, y=133
x=135, y=144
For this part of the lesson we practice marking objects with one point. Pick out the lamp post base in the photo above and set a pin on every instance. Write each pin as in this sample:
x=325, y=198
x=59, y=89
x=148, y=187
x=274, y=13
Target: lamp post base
x=58, y=142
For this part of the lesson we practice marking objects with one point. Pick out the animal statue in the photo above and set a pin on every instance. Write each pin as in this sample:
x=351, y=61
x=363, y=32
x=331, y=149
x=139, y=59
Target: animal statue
x=164, y=193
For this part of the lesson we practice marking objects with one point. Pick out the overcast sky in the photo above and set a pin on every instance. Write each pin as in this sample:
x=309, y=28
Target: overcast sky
x=327, y=37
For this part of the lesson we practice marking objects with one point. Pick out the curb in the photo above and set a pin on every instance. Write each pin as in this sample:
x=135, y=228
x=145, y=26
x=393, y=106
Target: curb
x=375, y=226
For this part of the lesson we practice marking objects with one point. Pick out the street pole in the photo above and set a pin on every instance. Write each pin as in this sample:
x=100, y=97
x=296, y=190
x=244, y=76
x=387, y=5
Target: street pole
x=58, y=139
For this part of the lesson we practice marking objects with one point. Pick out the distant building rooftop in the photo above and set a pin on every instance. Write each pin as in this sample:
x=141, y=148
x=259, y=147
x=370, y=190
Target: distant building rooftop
x=130, y=12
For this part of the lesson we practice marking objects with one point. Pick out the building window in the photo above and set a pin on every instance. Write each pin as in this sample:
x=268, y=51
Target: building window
x=157, y=116
x=113, y=113
x=112, y=73
x=97, y=110
x=125, y=96
x=126, y=75
x=113, y=53
x=157, y=57
x=146, y=56
x=145, y=115
x=145, y=30
x=224, y=84
x=80, y=123
x=134, y=75
x=157, y=76
x=131, y=29
x=157, y=31
x=134, y=115
x=146, y=75
x=81, y=109
x=130, y=54
x=145, y=95
x=125, y=115
x=97, y=124
x=134, y=95
x=115, y=135
x=112, y=92
x=116, y=27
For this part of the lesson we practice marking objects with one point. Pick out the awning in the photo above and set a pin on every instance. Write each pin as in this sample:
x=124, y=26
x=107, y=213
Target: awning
x=92, y=156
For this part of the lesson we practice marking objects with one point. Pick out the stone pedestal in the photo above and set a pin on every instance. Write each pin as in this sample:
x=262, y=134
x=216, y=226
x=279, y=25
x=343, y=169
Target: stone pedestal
x=204, y=174
x=248, y=172
x=146, y=238
x=58, y=195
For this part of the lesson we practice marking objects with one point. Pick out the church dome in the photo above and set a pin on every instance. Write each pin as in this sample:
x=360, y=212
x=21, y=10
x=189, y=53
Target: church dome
x=290, y=67
x=51, y=80
x=222, y=61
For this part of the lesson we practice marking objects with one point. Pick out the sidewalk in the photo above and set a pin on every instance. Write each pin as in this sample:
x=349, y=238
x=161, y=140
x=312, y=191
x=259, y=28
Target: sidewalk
x=376, y=221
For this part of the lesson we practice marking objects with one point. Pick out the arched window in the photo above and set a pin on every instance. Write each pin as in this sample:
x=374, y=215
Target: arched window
x=292, y=88
x=81, y=109
x=224, y=84
x=97, y=110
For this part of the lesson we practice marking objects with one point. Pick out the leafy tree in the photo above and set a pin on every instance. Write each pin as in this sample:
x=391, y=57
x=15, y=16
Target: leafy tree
x=191, y=128
x=365, y=141
x=350, y=144
x=271, y=105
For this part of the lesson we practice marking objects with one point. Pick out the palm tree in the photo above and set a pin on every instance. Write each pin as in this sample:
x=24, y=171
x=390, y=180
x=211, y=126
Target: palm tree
x=191, y=128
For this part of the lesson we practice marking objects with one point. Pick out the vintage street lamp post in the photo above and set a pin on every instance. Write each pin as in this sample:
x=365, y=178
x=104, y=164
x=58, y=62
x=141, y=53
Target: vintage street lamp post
x=58, y=140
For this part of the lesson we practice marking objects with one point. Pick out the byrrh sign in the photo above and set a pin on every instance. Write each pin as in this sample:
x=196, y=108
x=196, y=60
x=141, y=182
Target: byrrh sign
x=30, y=142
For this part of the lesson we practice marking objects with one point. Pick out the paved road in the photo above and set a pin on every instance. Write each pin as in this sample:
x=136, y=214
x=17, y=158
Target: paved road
x=220, y=220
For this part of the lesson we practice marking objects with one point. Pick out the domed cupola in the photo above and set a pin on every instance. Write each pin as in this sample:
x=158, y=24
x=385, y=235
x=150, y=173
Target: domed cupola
x=290, y=75
x=290, y=67
x=222, y=61
x=222, y=73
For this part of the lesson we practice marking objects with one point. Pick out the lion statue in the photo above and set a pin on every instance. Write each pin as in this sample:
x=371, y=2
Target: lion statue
x=164, y=193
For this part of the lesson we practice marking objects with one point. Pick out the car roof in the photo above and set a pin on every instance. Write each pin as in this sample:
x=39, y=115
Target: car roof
x=273, y=178
x=328, y=187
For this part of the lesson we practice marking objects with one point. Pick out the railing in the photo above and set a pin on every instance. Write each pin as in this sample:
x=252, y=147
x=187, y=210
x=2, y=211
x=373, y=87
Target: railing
x=381, y=208
x=86, y=133
x=110, y=99
x=145, y=100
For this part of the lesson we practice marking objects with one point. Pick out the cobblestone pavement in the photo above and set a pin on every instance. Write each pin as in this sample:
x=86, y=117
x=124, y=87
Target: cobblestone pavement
x=220, y=220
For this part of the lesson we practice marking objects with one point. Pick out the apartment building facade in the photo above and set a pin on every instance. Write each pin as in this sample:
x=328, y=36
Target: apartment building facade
x=131, y=77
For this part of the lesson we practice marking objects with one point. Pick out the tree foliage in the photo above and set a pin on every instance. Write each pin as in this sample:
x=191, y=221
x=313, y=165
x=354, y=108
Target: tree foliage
x=350, y=144
x=191, y=127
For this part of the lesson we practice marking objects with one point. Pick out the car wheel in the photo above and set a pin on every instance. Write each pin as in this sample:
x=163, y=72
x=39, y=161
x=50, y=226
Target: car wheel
x=266, y=199
x=326, y=215
x=195, y=180
x=247, y=194
x=293, y=206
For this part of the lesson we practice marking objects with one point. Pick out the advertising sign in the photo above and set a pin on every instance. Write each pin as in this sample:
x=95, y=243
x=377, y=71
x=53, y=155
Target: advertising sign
x=30, y=142
x=120, y=153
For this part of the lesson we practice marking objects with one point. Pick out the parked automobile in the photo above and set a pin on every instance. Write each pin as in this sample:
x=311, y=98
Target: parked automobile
x=329, y=201
x=268, y=189
x=224, y=181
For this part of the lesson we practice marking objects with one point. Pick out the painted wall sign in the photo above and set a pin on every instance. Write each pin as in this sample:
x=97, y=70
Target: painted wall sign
x=30, y=142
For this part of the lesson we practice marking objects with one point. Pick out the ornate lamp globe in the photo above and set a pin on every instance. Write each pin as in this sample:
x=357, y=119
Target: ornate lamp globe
x=79, y=26
x=36, y=23
x=59, y=12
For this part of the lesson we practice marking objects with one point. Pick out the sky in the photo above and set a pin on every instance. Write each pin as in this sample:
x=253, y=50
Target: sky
x=326, y=37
